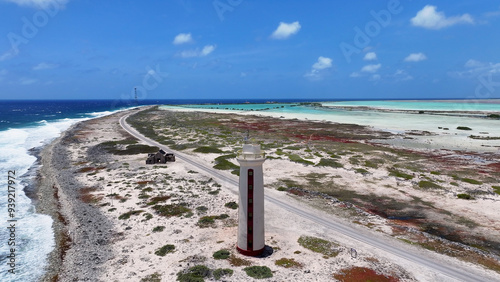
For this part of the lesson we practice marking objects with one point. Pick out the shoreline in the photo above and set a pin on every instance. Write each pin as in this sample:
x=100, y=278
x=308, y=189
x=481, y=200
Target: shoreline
x=57, y=197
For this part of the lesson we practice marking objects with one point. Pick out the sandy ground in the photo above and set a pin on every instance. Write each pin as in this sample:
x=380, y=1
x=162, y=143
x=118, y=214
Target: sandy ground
x=103, y=187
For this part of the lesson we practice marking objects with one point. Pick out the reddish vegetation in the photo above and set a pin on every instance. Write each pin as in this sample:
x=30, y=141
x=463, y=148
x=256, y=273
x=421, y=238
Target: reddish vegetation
x=362, y=274
x=257, y=126
x=89, y=169
x=87, y=197
x=322, y=137
x=494, y=166
x=303, y=130
x=296, y=192
x=145, y=182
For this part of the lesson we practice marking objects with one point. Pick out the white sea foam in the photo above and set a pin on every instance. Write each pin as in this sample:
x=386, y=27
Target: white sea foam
x=34, y=235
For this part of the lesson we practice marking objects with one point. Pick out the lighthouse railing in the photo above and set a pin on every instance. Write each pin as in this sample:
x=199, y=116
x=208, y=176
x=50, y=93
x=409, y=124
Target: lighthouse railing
x=242, y=155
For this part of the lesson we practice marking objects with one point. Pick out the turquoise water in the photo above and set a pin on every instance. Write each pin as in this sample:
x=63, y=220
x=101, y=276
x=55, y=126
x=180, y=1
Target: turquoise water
x=393, y=121
x=452, y=105
x=462, y=105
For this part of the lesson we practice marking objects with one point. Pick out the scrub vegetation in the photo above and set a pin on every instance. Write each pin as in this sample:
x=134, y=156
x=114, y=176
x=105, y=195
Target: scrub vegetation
x=333, y=156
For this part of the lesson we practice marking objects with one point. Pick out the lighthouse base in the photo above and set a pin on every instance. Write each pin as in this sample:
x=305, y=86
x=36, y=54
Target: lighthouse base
x=250, y=253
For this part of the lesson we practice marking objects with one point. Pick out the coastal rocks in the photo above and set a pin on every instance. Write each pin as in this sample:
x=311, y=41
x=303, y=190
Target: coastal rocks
x=420, y=133
x=88, y=248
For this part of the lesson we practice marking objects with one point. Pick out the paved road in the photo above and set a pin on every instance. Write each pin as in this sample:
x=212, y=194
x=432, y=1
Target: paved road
x=433, y=265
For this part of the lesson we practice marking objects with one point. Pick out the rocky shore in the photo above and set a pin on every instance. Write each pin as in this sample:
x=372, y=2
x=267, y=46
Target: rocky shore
x=82, y=232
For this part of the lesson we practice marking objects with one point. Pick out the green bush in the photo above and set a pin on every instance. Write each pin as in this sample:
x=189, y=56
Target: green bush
x=236, y=261
x=171, y=210
x=155, y=277
x=288, y=263
x=329, y=162
x=464, y=196
x=194, y=274
x=319, y=245
x=496, y=189
x=472, y=181
x=165, y=250
x=223, y=164
x=221, y=254
x=374, y=163
x=206, y=150
x=361, y=171
x=209, y=221
x=428, y=185
x=396, y=173
x=130, y=213
x=206, y=221
x=231, y=205
x=298, y=159
x=147, y=216
x=201, y=209
x=137, y=149
x=258, y=272
x=156, y=200
x=220, y=272
x=159, y=228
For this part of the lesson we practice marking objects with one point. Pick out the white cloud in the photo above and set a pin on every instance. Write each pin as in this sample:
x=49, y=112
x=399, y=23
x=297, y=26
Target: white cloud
x=473, y=64
x=475, y=68
x=371, y=68
x=207, y=50
x=322, y=64
x=182, y=38
x=7, y=55
x=416, y=57
x=371, y=56
x=375, y=77
x=44, y=66
x=285, y=30
x=354, y=74
x=27, y=81
x=429, y=18
x=39, y=3
x=492, y=14
x=402, y=75
x=197, y=53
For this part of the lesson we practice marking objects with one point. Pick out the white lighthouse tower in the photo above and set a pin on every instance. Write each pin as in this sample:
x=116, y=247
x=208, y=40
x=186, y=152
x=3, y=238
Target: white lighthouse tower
x=251, y=201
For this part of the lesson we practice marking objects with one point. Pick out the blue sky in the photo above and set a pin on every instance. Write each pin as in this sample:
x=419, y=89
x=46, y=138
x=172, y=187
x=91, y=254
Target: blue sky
x=82, y=49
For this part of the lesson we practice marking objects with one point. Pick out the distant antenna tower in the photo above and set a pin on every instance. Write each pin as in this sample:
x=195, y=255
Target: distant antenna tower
x=135, y=95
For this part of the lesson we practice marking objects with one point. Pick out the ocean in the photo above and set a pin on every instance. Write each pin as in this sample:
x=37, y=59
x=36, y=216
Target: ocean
x=25, y=125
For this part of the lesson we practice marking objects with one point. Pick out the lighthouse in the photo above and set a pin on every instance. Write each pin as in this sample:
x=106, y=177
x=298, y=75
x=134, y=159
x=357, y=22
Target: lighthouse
x=251, y=201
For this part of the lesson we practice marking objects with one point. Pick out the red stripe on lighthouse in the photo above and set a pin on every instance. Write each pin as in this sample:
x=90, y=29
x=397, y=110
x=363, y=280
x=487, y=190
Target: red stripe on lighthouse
x=250, y=215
